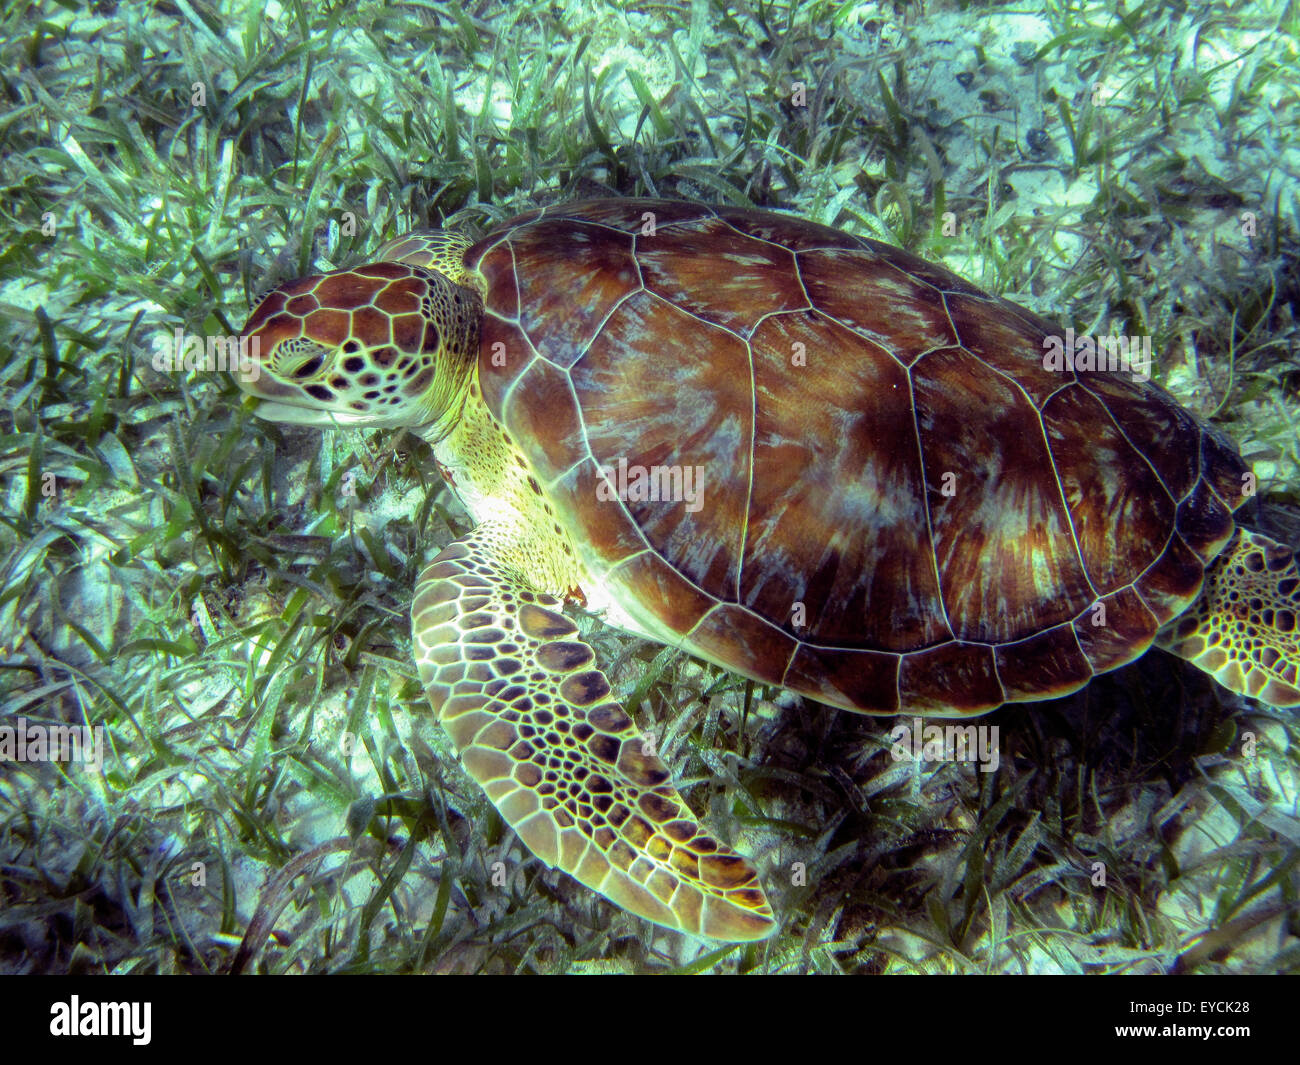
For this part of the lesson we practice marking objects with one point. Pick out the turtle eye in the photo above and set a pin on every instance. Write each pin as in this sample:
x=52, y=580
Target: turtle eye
x=298, y=358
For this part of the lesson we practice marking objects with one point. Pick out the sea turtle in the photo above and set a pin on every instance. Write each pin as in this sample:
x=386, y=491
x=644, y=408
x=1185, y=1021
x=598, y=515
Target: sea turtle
x=808, y=457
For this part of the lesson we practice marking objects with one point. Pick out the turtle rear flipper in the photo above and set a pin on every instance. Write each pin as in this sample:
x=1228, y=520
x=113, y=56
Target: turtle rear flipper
x=536, y=727
x=1245, y=628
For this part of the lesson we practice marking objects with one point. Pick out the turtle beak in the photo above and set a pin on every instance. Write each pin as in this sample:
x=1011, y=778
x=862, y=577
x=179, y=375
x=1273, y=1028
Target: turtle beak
x=296, y=414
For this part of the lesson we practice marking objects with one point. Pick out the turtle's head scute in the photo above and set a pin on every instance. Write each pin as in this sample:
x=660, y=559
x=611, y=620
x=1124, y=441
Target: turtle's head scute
x=388, y=344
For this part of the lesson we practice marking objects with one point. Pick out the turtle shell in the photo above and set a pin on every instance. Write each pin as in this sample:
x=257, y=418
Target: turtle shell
x=899, y=506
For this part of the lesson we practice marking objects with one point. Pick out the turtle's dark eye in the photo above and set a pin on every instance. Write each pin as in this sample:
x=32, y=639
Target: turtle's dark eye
x=285, y=362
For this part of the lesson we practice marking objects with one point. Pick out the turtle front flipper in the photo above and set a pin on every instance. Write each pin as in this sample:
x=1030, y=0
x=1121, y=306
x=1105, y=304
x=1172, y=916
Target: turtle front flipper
x=536, y=727
x=1245, y=628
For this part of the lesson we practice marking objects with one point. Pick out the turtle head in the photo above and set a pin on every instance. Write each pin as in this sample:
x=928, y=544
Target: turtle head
x=389, y=344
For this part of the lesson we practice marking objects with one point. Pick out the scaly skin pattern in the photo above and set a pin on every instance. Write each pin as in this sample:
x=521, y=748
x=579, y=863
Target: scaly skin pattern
x=912, y=513
x=1244, y=630
x=535, y=725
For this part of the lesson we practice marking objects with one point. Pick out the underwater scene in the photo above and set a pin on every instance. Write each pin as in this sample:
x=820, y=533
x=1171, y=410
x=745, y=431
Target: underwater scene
x=689, y=487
